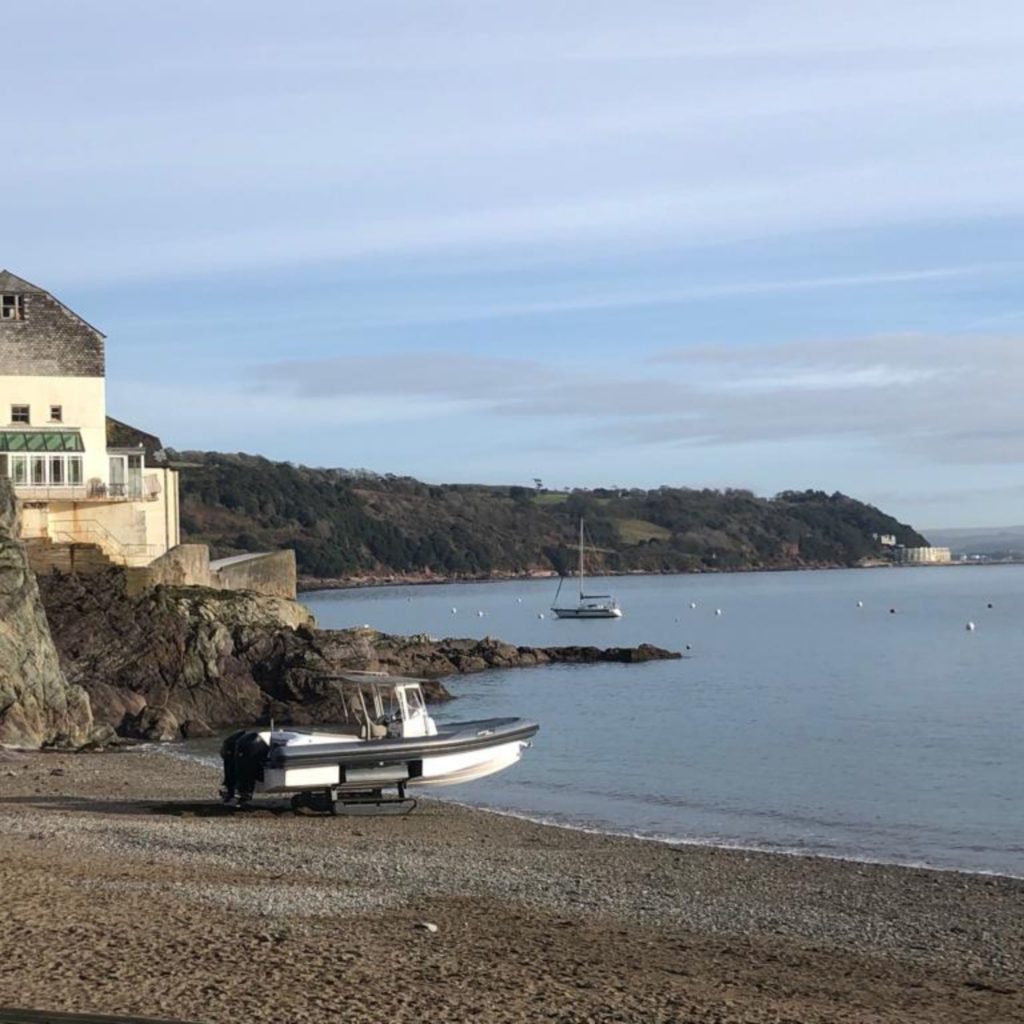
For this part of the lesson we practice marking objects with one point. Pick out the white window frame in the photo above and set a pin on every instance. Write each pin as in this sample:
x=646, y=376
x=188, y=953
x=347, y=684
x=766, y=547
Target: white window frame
x=27, y=421
x=56, y=413
x=131, y=467
x=59, y=471
x=11, y=307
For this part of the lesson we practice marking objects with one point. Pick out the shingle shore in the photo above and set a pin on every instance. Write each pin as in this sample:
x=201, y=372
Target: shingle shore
x=124, y=889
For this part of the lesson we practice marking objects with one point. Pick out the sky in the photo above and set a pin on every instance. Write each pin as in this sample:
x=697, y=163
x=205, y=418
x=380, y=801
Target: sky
x=772, y=246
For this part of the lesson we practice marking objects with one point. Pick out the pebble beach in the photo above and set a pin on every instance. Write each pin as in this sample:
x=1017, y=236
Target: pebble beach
x=126, y=889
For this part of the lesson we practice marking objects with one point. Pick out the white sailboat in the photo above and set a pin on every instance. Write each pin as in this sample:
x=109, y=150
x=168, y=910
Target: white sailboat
x=589, y=606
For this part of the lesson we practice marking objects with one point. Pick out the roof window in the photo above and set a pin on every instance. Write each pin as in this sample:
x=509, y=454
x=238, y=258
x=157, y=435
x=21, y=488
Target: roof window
x=11, y=307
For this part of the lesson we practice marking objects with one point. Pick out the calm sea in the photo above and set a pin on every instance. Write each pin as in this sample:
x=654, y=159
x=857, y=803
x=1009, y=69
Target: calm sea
x=799, y=720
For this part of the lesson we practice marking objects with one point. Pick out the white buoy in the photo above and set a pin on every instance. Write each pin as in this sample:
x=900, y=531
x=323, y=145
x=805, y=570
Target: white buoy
x=718, y=611
x=454, y=610
x=693, y=604
x=970, y=627
x=481, y=614
x=860, y=604
x=540, y=615
x=519, y=600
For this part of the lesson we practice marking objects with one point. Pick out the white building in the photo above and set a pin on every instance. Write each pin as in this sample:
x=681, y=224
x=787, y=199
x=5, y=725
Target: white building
x=924, y=556
x=79, y=476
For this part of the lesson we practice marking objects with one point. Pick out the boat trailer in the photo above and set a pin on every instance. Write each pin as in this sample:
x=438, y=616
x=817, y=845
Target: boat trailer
x=372, y=802
x=374, y=789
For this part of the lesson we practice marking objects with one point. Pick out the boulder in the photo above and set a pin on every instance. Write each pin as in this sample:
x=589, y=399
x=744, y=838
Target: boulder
x=158, y=725
x=37, y=704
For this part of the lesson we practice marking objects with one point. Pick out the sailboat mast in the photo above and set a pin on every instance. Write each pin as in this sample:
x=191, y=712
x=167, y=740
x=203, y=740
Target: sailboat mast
x=581, y=558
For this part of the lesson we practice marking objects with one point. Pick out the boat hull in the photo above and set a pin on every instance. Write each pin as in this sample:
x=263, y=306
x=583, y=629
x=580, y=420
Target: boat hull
x=461, y=752
x=587, y=613
x=443, y=770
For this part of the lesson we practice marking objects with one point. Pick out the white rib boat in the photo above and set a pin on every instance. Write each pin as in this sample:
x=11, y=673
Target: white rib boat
x=389, y=742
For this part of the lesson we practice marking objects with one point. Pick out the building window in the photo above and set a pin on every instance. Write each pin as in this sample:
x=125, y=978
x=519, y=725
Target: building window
x=11, y=308
x=56, y=413
x=43, y=470
x=20, y=414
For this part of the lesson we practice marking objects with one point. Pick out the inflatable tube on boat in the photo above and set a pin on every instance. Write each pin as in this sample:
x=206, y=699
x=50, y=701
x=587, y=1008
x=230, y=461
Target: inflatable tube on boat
x=456, y=738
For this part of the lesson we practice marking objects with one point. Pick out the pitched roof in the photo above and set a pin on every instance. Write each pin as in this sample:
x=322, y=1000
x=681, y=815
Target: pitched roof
x=123, y=435
x=12, y=283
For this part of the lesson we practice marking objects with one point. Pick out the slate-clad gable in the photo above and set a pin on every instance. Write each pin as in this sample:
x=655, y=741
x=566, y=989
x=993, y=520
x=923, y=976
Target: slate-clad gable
x=49, y=340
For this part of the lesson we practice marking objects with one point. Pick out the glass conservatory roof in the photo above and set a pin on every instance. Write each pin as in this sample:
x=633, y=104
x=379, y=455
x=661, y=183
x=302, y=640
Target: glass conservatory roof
x=41, y=441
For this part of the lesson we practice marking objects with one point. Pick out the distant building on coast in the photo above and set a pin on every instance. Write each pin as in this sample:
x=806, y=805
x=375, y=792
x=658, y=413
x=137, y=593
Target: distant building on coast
x=80, y=476
x=923, y=556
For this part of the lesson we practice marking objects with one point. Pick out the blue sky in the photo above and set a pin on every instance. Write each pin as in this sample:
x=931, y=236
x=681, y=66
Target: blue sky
x=743, y=244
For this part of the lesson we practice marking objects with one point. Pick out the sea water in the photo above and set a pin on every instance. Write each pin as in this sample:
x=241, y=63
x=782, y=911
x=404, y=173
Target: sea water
x=848, y=713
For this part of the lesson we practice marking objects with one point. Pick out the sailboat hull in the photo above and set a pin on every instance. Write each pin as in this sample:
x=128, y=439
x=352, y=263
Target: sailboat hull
x=587, y=613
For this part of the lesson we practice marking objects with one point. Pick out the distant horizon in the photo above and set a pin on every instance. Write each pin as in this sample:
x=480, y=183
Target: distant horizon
x=739, y=246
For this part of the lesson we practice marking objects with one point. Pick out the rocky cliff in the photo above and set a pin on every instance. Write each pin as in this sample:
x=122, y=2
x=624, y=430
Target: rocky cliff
x=37, y=705
x=184, y=661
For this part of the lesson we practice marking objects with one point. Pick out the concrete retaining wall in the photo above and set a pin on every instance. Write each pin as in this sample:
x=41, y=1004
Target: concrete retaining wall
x=272, y=573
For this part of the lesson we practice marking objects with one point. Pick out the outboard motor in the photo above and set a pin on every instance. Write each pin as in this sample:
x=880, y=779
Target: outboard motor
x=243, y=754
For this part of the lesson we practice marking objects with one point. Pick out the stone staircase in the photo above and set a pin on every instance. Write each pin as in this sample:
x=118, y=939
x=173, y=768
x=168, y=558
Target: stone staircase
x=44, y=556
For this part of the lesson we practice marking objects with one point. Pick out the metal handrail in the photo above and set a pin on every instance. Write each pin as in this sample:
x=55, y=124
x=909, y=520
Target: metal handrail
x=125, y=550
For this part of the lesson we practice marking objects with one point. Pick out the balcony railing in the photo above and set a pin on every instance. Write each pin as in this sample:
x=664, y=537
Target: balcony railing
x=95, y=490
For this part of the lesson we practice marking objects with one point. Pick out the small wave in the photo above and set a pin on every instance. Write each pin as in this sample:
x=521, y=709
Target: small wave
x=714, y=843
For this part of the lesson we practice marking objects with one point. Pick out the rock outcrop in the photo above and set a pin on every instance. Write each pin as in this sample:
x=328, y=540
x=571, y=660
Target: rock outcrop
x=37, y=705
x=185, y=661
x=424, y=656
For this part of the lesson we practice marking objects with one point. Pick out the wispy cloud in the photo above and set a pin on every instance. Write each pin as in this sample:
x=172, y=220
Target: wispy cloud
x=392, y=130
x=913, y=395
x=639, y=298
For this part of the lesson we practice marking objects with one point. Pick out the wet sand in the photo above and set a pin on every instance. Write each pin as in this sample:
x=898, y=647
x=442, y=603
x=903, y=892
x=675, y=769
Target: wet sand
x=124, y=888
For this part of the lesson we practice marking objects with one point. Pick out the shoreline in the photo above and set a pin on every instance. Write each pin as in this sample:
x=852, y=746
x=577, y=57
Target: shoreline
x=310, y=585
x=707, y=844
x=109, y=861
x=543, y=821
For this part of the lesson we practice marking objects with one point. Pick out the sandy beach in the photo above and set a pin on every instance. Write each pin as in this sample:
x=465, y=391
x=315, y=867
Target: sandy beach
x=125, y=889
